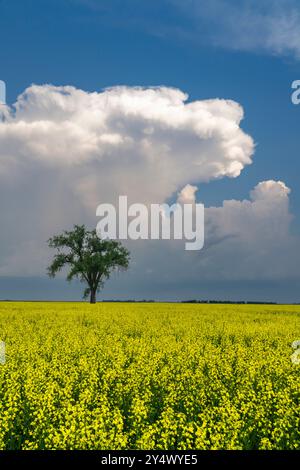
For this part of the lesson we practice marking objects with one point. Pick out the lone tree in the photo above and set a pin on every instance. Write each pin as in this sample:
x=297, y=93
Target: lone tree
x=91, y=259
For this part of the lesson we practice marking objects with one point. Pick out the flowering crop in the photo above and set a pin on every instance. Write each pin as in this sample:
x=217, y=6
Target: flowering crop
x=149, y=376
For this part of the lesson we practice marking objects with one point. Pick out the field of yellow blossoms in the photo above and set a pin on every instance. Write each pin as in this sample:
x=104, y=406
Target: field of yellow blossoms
x=149, y=376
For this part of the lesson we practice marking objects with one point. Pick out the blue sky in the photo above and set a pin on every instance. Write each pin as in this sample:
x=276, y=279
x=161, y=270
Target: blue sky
x=97, y=44
x=71, y=42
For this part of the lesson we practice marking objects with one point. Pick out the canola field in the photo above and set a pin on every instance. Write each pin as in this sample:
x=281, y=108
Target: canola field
x=149, y=376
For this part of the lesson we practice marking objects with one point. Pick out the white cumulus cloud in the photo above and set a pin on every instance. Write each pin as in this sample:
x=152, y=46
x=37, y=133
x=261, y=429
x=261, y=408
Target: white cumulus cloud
x=63, y=151
x=247, y=240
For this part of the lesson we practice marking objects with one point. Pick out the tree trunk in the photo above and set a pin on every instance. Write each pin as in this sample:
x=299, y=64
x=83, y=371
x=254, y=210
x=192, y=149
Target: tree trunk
x=93, y=297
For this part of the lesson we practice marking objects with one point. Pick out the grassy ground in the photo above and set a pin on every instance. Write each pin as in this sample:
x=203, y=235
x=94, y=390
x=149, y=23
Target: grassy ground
x=149, y=376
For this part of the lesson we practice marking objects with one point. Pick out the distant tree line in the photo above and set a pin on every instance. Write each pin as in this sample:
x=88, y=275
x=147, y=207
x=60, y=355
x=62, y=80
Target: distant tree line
x=195, y=301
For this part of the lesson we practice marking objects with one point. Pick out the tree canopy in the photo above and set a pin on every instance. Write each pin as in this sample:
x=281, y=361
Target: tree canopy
x=89, y=258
